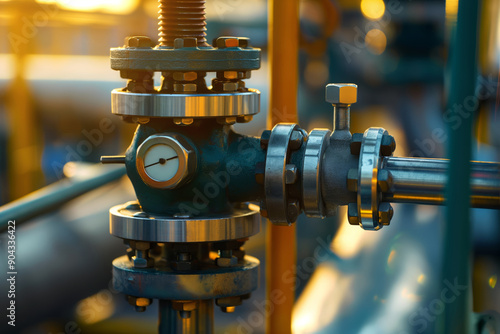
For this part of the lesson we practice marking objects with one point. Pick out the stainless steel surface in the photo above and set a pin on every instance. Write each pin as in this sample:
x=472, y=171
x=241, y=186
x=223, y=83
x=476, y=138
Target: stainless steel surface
x=274, y=178
x=367, y=197
x=185, y=154
x=156, y=283
x=311, y=173
x=422, y=181
x=185, y=105
x=242, y=223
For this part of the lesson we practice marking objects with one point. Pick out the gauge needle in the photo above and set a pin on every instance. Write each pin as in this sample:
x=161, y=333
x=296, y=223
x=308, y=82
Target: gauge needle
x=162, y=161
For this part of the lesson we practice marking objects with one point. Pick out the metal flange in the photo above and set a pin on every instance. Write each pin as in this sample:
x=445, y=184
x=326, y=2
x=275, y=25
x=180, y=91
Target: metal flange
x=127, y=221
x=207, y=59
x=280, y=210
x=185, y=105
x=317, y=142
x=168, y=284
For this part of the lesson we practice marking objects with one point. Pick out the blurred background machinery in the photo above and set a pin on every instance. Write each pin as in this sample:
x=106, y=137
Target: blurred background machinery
x=55, y=57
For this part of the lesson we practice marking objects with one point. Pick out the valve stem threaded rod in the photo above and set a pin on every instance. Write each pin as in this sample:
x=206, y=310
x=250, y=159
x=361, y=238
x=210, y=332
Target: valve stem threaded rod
x=181, y=19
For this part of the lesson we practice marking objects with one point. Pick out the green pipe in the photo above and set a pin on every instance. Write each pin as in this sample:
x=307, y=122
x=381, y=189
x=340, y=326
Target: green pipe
x=461, y=71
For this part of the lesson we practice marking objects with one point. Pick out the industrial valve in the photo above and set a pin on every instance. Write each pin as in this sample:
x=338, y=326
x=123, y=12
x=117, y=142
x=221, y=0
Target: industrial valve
x=194, y=176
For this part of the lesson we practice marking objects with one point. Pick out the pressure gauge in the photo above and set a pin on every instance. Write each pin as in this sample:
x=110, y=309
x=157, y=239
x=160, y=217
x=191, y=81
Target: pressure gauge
x=165, y=161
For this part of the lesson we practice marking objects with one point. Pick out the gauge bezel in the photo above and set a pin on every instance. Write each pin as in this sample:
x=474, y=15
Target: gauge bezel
x=187, y=160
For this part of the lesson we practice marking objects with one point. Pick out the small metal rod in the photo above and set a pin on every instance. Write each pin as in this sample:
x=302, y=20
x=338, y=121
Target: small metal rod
x=200, y=320
x=423, y=181
x=341, y=117
x=113, y=159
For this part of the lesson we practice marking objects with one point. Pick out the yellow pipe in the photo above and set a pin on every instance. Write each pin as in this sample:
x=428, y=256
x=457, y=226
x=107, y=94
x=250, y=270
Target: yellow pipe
x=281, y=255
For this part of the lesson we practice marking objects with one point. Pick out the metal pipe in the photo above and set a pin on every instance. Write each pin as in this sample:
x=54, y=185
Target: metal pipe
x=281, y=252
x=423, y=181
x=56, y=194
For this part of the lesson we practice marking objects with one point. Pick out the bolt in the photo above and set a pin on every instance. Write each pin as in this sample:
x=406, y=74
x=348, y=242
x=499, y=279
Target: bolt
x=260, y=168
x=352, y=214
x=264, y=139
x=138, y=42
x=385, y=180
x=244, y=119
x=139, y=303
x=185, y=87
x=352, y=180
x=341, y=93
x=290, y=174
x=357, y=139
x=293, y=210
x=226, y=120
x=224, y=86
x=388, y=146
x=228, y=304
x=185, y=76
x=296, y=140
x=385, y=213
x=226, y=259
x=226, y=42
x=183, y=121
x=189, y=42
x=227, y=75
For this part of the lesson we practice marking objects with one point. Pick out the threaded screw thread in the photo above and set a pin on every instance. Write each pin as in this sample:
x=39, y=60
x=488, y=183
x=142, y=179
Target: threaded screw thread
x=181, y=19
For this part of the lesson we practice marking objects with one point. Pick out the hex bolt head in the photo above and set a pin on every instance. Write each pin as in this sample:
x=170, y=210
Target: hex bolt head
x=296, y=140
x=184, y=305
x=352, y=214
x=224, y=86
x=264, y=139
x=226, y=120
x=290, y=174
x=341, y=93
x=293, y=210
x=183, y=121
x=226, y=42
x=185, y=87
x=226, y=262
x=188, y=42
x=139, y=303
x=352, y=180
x=385, y=213
x=385, y=180
x=185, y=76
x=243, y=42
x=244, y=74
x=138, y=42
x=228, y=304
x=357, y=139
x=227, y=75
x=388, y=146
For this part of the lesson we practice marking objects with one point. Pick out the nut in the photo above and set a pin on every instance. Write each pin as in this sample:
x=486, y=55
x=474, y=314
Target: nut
x=357, y=139
x=244, y=74
x=185, y=76
x=293, y=210
x=296, y=140
x=352, y=214
x=224, y=86
x=185, y=87
x=138, y=42
x=290, y=174
x=139, y=303
x=385, y=213
x=226, y=42
x=183, y=121
x=352, y=180
x=226, y=261
x=388, y=146
x=188, y=42
x=243, y=42
x=385, y=180
x=142, y=261
x=228, y=75
x=184, y=305
x=226, y=120
x=341, y=93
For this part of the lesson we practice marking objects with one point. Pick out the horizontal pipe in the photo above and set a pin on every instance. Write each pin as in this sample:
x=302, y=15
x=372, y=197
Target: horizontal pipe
x=53, y=196
x=423, y=181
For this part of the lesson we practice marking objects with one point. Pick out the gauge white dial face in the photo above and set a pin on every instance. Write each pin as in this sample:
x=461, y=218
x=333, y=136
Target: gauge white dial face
x=161, y=162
